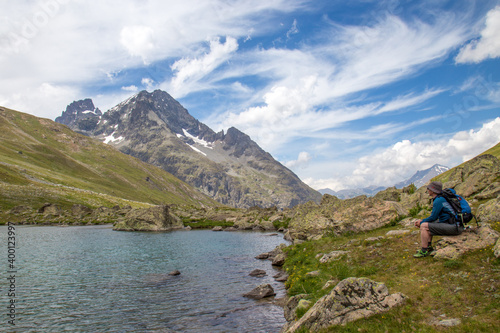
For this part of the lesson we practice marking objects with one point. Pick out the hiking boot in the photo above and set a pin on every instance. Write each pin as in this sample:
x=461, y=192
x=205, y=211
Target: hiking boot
x=421, y=253
x=430, y=249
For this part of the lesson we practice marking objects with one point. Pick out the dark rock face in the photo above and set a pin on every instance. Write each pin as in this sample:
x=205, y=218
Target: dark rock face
x=81, y=116
x=229, y=167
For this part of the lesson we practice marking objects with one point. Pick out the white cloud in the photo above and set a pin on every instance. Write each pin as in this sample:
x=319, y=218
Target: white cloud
x=190, y=71
x=130, y=88
x=290, y=113
x=148, y=83
x=76, y=43
x=302, y=160
x=293, y=30
x=402, y=159
x=352, y=59
x=393, y=49
x=488, y=45
x=138, y=40
x=43, y=97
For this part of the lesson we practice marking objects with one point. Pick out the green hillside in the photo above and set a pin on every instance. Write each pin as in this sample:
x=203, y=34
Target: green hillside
x=42, y=161
x=495, y=151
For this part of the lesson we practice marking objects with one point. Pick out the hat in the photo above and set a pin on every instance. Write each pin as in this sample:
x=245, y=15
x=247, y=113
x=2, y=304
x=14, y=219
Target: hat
x=435, y=187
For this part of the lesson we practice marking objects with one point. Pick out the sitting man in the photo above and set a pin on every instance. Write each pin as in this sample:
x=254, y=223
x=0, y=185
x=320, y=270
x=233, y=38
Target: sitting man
x=438, y=223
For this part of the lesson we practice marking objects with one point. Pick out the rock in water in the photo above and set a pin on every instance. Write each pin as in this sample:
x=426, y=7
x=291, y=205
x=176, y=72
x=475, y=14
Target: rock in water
x=157, y=218
x=351, y=299
x=262, y=291
x=258, y=273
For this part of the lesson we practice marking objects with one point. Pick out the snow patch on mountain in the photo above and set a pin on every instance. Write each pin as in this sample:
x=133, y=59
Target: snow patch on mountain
x=422, y=177
x=198, y=140
x=111, y=138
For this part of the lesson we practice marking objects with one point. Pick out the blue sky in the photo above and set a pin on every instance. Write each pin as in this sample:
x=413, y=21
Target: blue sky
x=345, y=93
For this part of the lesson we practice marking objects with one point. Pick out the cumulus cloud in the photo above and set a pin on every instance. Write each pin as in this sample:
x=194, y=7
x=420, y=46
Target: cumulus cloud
x=301, y=161
x=399, y=161
x=43, y=96
x=132, y=88
x=488, y=45
x=148, y=83
x=138, y=40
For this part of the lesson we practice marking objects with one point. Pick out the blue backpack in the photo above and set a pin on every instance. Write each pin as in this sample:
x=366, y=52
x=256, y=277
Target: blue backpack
x=462, y=210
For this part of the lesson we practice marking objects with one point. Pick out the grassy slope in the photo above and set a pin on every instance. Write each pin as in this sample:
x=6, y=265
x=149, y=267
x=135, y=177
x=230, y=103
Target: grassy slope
x=467, y=289
x=495, y=151
x=43, y=161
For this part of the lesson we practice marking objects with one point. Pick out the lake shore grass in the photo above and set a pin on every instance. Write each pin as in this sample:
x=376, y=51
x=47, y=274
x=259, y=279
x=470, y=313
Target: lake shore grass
x=467, y=289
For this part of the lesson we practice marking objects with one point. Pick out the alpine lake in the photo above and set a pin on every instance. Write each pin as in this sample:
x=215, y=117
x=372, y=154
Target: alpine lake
x=94, y=279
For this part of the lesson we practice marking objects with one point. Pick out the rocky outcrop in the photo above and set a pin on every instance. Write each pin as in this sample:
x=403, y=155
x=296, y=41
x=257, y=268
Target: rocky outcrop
x=336, y=216
x=452, y=247
x=351, y=299
x=489, y=211
x=262, y=291
x=78, y=214
x=81, y=116
x=496, y=249
x=474, y=176
x=291, y=305
x=157, y=218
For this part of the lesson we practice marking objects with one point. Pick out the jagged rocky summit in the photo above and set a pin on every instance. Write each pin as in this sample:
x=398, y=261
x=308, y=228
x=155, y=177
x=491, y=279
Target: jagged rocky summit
x=81, y=116
x=229, y=167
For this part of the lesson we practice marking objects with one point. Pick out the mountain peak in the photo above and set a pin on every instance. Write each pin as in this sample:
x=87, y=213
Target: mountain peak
x=422, y=177
x=82, y=116
x=231, y=168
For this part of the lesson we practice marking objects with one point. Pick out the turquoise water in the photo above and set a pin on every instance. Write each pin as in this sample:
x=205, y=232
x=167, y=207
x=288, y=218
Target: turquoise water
x=94, y=279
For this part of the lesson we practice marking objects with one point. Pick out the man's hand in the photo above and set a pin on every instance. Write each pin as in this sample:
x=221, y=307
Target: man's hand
x=417, y=223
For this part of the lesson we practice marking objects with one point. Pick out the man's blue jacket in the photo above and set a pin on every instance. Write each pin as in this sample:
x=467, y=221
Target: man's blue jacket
x=441, y=211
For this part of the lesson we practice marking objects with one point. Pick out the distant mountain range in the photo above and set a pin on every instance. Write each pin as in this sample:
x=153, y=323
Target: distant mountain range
x=419, y=179
x=229, y=167
x=422, y=177
x=351, y=193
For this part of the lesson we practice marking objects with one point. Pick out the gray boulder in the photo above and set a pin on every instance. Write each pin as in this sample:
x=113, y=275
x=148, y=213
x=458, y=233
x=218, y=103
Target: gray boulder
x=290, y=308
x=262, y=291
x=279, y=260
x=350, y=300
x=262, y=256
x=258, y=273
x=157, y=218
x=332, y=256
x=80, y=211
x=453, y=247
